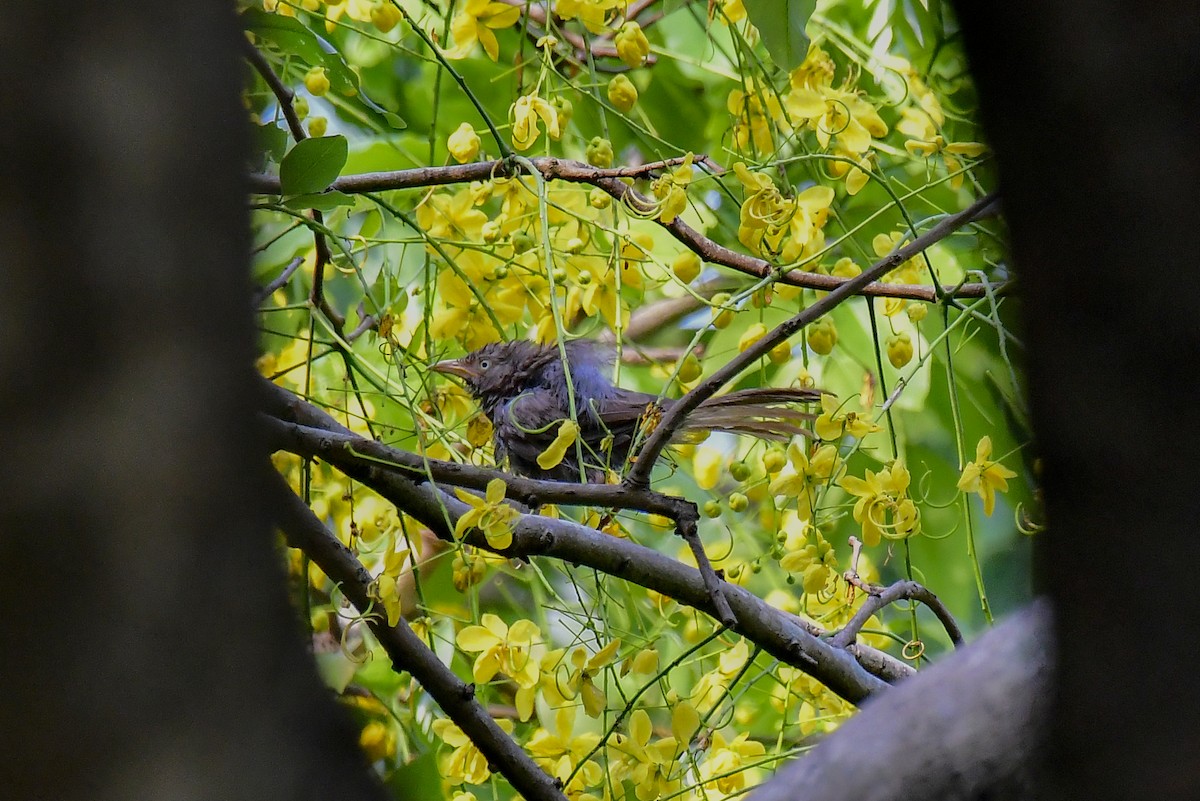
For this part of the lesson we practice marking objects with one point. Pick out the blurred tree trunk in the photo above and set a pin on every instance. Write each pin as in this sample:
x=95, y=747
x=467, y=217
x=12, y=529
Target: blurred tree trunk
x=148, y=648
x=1091, y=108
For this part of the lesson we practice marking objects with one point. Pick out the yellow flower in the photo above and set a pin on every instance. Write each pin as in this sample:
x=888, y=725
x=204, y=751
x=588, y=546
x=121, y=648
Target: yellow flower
x=567, y=677
x=727, y=763
x=489, y=514
x=463, y=144
x=813, y=557
x=568, y=432
x=475, y=22
x=377, y=741
x=594, y=14
x=560, y=750
x=670, y=190
x=649, y=766
x=502, y=650
x=632, y=46
x=385, y=588
x=622, y=93
x=712, y=685
x=808, y=476
x=831, y=425
x=467, y=569
x=936, y=146
x=526, y=113
x=465, y=764
x=883, y=508
x=985, y=476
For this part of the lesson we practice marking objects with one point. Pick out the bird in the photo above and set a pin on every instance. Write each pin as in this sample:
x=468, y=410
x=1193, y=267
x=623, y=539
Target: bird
x=522, y=389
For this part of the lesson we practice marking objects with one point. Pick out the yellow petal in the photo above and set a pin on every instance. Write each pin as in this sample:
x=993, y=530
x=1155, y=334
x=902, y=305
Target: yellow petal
x=568, y=432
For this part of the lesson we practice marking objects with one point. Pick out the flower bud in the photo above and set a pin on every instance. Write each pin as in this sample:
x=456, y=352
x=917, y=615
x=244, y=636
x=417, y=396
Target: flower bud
x=917, y=312
x=317, y=126
x=738, y=502
x=899, y=350
x=521, y=241
x=751, y=336
x=600, y=152
x=385, y=16
x=740, y=471
x=599, y=199
x=463, y=144
x=316, y=81
x=565, y=110
x=622, y=93
x=822, y=336
x=689, y=369
x=632, y=46
x=721, y=317
x=712, y=509
x=686, y=266
x=774, y=460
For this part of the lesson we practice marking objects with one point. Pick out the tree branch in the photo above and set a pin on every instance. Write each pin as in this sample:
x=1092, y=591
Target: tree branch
x=879, y=597
x=786, y=637
x=673, y=417
x=609, y=181
x=406, y=650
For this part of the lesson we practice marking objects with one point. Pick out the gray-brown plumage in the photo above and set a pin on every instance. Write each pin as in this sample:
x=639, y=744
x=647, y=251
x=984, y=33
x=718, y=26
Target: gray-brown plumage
x=522, y=389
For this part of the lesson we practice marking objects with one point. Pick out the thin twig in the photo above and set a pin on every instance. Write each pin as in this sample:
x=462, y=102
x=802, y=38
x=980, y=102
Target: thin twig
x=286, y=98
x=279, y=282
x=879, y=597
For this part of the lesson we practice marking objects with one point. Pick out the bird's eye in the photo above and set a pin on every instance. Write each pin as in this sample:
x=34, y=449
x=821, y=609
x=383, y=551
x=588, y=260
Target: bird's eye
x=484, y=364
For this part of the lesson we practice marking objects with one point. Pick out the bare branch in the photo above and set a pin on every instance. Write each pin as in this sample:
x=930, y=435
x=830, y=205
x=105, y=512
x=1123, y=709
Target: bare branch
x=406, y=650
x=609, y=181
x=879, y=597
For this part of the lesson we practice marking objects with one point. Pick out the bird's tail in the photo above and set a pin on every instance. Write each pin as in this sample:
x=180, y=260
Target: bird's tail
x=757, y=413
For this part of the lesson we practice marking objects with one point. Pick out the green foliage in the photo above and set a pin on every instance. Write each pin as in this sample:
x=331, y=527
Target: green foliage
x=312, y=165
x=781, y=25
x=809, y=161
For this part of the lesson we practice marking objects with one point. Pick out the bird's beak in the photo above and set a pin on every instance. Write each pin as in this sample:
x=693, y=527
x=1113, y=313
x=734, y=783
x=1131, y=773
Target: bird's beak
x=455, y=367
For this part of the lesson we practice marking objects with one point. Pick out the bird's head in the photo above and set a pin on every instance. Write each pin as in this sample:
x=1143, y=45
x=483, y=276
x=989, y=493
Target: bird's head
x=500, y=370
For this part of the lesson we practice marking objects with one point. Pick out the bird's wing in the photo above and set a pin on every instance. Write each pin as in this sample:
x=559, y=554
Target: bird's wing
x=524, y=428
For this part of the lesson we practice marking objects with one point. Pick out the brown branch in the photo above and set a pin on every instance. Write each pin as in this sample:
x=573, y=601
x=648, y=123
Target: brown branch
x=278, y=282
x=609, y=181
x=639, y=474
x=347, y=449
x=406, y=650
x=879, y=597
x=792, y=640
x=287, y=98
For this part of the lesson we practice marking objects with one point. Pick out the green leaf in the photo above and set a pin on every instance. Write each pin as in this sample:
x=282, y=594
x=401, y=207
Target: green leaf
x=292, y=37
x=323, y=201
x=312, y=165
x=271, y=139
x=781, y=24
